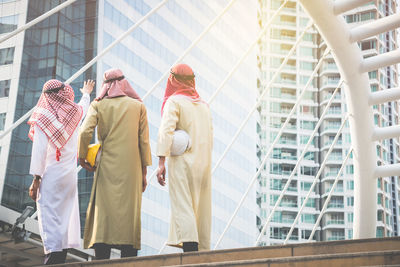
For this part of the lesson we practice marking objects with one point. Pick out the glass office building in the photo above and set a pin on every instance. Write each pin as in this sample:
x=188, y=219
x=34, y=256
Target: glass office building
x=54, y=48
x=60, y=45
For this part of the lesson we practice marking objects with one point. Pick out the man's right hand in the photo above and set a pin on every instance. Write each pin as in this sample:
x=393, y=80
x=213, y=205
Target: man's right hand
x=87, y=87
x=144, y=180
x=86, y=165
x=33, y=189
x=161, y=170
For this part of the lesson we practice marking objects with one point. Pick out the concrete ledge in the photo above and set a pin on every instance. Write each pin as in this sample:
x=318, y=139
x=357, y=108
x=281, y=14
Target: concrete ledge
x=253, y=253
x=344, y=259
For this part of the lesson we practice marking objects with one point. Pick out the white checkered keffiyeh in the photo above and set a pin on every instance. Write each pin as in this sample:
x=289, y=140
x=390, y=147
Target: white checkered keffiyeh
x=56, y=114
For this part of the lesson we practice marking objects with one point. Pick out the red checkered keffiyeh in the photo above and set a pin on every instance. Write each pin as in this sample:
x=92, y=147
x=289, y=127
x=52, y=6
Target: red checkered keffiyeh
x=56, y=114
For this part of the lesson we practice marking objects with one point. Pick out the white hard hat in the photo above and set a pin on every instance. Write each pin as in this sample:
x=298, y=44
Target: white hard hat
x=180, y=143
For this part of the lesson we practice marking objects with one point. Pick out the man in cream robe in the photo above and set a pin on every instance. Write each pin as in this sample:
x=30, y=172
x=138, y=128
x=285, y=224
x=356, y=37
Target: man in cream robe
x=113, y=214
x=190, y=173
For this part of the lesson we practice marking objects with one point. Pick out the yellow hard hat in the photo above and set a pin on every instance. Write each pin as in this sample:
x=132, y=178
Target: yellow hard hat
x=93, y=154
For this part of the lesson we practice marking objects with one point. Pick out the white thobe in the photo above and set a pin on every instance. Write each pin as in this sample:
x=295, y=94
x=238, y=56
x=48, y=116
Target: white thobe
x=57, y=204
x=190, y=173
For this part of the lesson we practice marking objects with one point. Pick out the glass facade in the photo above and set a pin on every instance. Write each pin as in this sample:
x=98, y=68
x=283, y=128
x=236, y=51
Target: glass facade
x=53, y=49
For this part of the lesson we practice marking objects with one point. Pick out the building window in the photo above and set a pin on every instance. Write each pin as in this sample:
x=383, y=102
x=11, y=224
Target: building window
x=308, y=218
x=350, y=217
x=350, y=170
x=8, y=23
x=2, y=121
x=350, y=184
x=350, y=234
x=379, y=232
x=6, y=55
x=308, y=171
x=350, y=201
x=4, y=88
x=368, y=45
x=367, y=15
x=273, y=199
x=372, y=75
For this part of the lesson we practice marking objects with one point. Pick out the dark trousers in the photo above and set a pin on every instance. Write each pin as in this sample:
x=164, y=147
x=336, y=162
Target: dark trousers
x=102, y=251
x=55, y=257
x=190, y=246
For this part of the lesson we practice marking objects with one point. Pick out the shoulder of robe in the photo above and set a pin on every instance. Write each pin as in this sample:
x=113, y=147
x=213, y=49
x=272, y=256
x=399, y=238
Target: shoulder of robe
x=94, y=104
x=174, y=100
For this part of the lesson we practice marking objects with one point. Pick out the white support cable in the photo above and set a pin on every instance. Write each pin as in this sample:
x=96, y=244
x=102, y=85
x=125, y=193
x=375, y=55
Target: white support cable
x=329, y=196
x=277, y=72
x=315, y=180
x=304, y=149
x=162, y=248
x=152, y=175
x=89, y=64
x=193, y=44
x=36, y=20
x=375, y=27
x=116, y=41
x=341, y=6
x=16, y=124
x=273, y=144
x=245, y=54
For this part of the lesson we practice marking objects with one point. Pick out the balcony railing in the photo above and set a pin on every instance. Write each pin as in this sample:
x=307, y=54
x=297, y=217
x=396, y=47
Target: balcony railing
x=283, y=237
x=335, y=205
x=280, y=156
x=334, y=222
x=288, y=204
x=288, y=81
x=334, y=238
x=329, y=142
x=337, y=190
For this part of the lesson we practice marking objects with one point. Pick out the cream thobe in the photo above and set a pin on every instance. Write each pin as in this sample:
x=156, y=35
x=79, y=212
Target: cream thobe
x=113, y=214
x=57, y=204
x=189, y=175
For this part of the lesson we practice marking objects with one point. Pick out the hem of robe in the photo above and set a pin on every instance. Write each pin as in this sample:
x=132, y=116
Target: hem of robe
x=88, y=245
x=179, y=244
x=61, y=248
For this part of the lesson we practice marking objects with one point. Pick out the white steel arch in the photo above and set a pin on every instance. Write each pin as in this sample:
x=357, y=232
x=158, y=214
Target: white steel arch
x=354, y=70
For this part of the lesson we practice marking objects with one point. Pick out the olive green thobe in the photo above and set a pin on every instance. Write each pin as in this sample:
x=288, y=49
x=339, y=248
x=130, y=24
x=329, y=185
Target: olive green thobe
x=113, y=214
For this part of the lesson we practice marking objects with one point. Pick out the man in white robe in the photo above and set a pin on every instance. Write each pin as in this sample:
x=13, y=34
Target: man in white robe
x=54, y=132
